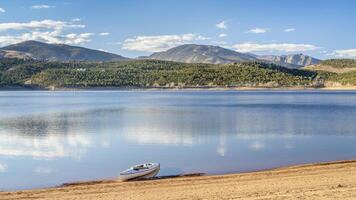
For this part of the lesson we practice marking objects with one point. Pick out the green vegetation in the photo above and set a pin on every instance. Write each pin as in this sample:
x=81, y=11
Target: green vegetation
x=152, y=73
x=340, y=63
x=348, y=78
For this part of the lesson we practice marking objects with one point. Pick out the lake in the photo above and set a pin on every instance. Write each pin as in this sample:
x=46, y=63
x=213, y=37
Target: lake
x=49, y=138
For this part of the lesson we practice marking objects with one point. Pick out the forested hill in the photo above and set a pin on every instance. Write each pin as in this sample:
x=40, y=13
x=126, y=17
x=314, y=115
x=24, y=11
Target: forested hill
x=151, y=73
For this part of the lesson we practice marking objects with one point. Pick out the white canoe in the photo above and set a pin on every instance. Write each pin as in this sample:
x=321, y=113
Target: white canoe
x=142, y=171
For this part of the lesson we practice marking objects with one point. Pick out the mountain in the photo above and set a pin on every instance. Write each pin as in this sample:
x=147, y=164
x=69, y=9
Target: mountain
x=291, y=61
x=193, y=53
x=59, y=52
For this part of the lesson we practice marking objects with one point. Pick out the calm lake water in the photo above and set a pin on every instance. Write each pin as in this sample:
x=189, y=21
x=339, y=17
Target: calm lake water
x=49, y=138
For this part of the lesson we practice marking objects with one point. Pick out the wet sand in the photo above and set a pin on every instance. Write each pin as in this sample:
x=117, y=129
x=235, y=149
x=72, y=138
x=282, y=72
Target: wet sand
x=334, y=180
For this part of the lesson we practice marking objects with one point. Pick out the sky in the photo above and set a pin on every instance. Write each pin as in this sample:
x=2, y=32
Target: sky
x=320, y=28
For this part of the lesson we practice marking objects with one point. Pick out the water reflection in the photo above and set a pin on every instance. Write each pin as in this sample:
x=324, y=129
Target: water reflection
x=202, y=132
x=43, y=170
x=48, y=146
x=70, y=134
x=3, y=168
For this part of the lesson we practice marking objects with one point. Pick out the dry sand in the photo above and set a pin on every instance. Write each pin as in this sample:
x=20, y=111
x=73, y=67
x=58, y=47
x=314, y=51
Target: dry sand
x=335, y=180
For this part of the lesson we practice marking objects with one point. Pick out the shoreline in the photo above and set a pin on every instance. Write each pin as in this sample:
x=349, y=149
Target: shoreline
x=177, y=89
x=327, y=180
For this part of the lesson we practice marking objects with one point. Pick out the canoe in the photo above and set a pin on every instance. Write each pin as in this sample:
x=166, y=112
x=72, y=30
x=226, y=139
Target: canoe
x=141, y=171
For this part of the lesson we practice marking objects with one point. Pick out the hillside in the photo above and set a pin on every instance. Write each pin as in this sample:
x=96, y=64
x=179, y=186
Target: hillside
x=335, y=66
x=148, y=73
x=166, y=74
x=60, y=52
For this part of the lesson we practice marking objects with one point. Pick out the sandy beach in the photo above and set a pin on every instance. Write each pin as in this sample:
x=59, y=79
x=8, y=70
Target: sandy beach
x=334, y=180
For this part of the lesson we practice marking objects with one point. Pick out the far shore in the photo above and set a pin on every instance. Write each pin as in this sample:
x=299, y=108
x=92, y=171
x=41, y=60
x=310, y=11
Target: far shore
x=175, y=88
x=330, y=180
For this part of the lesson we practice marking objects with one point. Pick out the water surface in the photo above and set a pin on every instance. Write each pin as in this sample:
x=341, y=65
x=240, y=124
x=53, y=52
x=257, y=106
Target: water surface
x=49, y=138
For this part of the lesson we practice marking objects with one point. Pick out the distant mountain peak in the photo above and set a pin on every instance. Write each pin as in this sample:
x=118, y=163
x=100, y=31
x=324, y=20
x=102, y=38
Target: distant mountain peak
x=196, y=53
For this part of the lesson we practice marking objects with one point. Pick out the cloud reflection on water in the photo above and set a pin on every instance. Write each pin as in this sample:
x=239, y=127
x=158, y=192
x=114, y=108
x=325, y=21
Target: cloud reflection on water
x=49, y=146
x=47, y=137
x=71, y=134
x=3, y=168
x=43, y=170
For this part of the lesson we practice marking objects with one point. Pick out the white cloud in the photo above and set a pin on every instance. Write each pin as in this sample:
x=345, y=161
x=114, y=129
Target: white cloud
x=222, y=35
x=44, y=24
x=289, y=30
x=346, y=53
x=76, y=20
x=220, y=43
x=2, y=10
x=257, y=30
x=160, y=42
x=104, y=50
x=46, y=30
x=286, y=47
x=49, y=37
x=74, y=38
x=104, y=34
x=42, y=6
x=3, y=168
x=222, y=25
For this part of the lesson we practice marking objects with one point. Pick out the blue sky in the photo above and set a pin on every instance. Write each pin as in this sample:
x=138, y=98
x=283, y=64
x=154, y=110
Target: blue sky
x=321, y=28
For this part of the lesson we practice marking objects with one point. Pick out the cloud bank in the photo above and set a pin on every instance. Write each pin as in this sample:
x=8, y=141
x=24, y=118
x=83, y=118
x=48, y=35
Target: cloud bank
x=286, y=47
x=49, y=31
x=345, y=53
x=159, y=42
x=44, y=24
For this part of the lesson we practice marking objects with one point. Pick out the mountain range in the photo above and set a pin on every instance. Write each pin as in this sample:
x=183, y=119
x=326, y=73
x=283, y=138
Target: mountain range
x=193, y=53
x=187, y=53
x=292, y=60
